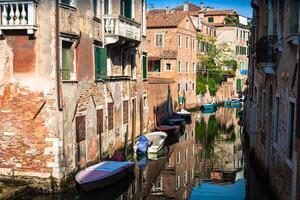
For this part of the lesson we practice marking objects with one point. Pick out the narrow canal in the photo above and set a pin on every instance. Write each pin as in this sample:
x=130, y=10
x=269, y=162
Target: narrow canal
x=205, y=162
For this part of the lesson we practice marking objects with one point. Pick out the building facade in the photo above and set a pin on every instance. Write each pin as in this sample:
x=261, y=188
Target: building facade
x=233, y=30
x=72, y=83
x=172, y=52
x=272, y=109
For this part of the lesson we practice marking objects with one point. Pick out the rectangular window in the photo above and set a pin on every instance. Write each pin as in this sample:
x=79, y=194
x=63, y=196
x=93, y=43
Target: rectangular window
x=168, y=66
x=276, y=119
x=125, y=112
x=80, y=128
x=193, y=86
x=144, y=63
x=241, y=34
x=67, y=60
x=159, y=40
x=187, y=41
x=68, y=2
x=110, y=110
x=187, y=67
x=194, y=68
x=145, y=101
x=99, y=121
x=244, y=34
x=194, y=42
x=100, y=56
x=106, y=7
x=178, y=87
x=237, y=50
x=179, y=66
x=179, y=40
x=294, y=16
x=290, y=142
x=186, y=87
x=210, y=19
x=126, y=8
x=237, y=33
x=96, y=8
x=132, y=66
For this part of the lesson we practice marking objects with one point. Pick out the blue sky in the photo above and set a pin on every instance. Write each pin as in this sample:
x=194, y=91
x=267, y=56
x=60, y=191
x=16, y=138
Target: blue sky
x=242, y=6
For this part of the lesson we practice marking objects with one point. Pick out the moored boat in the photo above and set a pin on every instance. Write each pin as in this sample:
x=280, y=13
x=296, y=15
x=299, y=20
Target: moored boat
x=176, y=120
x=234, y=101
x=156, y=140
x=103, y=174
x=209, y=107
x=184, y=114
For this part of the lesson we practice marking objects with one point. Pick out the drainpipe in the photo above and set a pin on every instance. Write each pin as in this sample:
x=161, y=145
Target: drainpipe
x=58, y=86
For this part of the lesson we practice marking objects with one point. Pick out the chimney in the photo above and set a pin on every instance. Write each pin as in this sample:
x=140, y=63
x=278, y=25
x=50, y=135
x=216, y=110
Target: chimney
x=186, y=7
x=201, y=6
x=167, y=10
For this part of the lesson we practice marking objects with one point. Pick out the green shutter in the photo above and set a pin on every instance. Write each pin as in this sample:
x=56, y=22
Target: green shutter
x=128, y=13
x=238, y=85
x=65, y=63
x=144, y=63
x=100, y=63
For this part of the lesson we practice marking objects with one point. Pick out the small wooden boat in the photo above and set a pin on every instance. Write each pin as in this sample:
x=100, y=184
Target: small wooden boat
x=167, y=129
x=156, y=140
x=103, y=174
x=209, y=107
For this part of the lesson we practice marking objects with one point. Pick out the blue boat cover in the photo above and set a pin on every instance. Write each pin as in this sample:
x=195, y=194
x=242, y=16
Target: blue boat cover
x=210, y=191
x=110, y=166
x=143, y=144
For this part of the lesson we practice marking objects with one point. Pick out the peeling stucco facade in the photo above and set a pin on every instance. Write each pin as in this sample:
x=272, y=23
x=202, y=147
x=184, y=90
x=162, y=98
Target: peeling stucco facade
x=37, y=138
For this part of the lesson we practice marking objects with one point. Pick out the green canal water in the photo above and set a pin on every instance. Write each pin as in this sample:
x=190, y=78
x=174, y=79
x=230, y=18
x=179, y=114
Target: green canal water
x=206, y=161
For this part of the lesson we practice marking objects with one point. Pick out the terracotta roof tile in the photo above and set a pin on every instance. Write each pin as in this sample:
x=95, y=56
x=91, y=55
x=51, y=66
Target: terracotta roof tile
x=168, y=54
x=157, y=18
x=220, y=12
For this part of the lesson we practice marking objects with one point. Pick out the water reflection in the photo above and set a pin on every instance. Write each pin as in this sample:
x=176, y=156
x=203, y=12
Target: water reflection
x=209, y=151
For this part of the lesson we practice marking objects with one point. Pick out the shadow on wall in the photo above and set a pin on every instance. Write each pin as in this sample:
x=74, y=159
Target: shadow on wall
x=162, y=111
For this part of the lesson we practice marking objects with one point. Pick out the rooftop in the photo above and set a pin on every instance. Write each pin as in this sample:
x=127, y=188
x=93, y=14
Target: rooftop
x=161, y=18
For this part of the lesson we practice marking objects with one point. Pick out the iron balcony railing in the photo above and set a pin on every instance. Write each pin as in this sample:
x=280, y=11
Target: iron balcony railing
x=265, y=51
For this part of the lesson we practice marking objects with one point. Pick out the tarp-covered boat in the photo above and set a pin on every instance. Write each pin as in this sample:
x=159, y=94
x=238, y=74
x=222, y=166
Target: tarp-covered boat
x=103, y=174
x=142, y=144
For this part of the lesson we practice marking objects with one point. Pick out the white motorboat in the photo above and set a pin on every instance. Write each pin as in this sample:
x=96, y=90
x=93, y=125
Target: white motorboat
x=156, y=140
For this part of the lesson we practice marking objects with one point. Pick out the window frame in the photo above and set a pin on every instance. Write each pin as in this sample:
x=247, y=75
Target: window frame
x=162, y=40
x=186, y=67
x=72, y=61
x=179, y=66
x=290, y=141
x=179, y=40
x=187, y=42
x=168, y=63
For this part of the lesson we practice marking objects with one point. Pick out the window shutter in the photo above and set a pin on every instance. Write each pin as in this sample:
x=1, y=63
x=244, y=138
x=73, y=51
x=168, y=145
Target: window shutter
x=100, y=63
x=65, y=63
x=144, y=63
x=128, y=13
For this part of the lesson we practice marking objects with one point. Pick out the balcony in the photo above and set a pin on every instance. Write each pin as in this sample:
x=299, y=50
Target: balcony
x=18, y=15
x=116, y=27
x=265, y=56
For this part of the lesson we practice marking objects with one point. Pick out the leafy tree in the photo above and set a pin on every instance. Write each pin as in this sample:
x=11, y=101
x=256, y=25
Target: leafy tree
x=201, y=86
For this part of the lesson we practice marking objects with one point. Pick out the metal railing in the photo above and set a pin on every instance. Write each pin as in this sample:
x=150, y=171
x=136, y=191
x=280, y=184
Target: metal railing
x=264, y=49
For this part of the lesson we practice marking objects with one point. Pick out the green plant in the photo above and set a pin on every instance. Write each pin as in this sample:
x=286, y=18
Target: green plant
x=201, y=86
